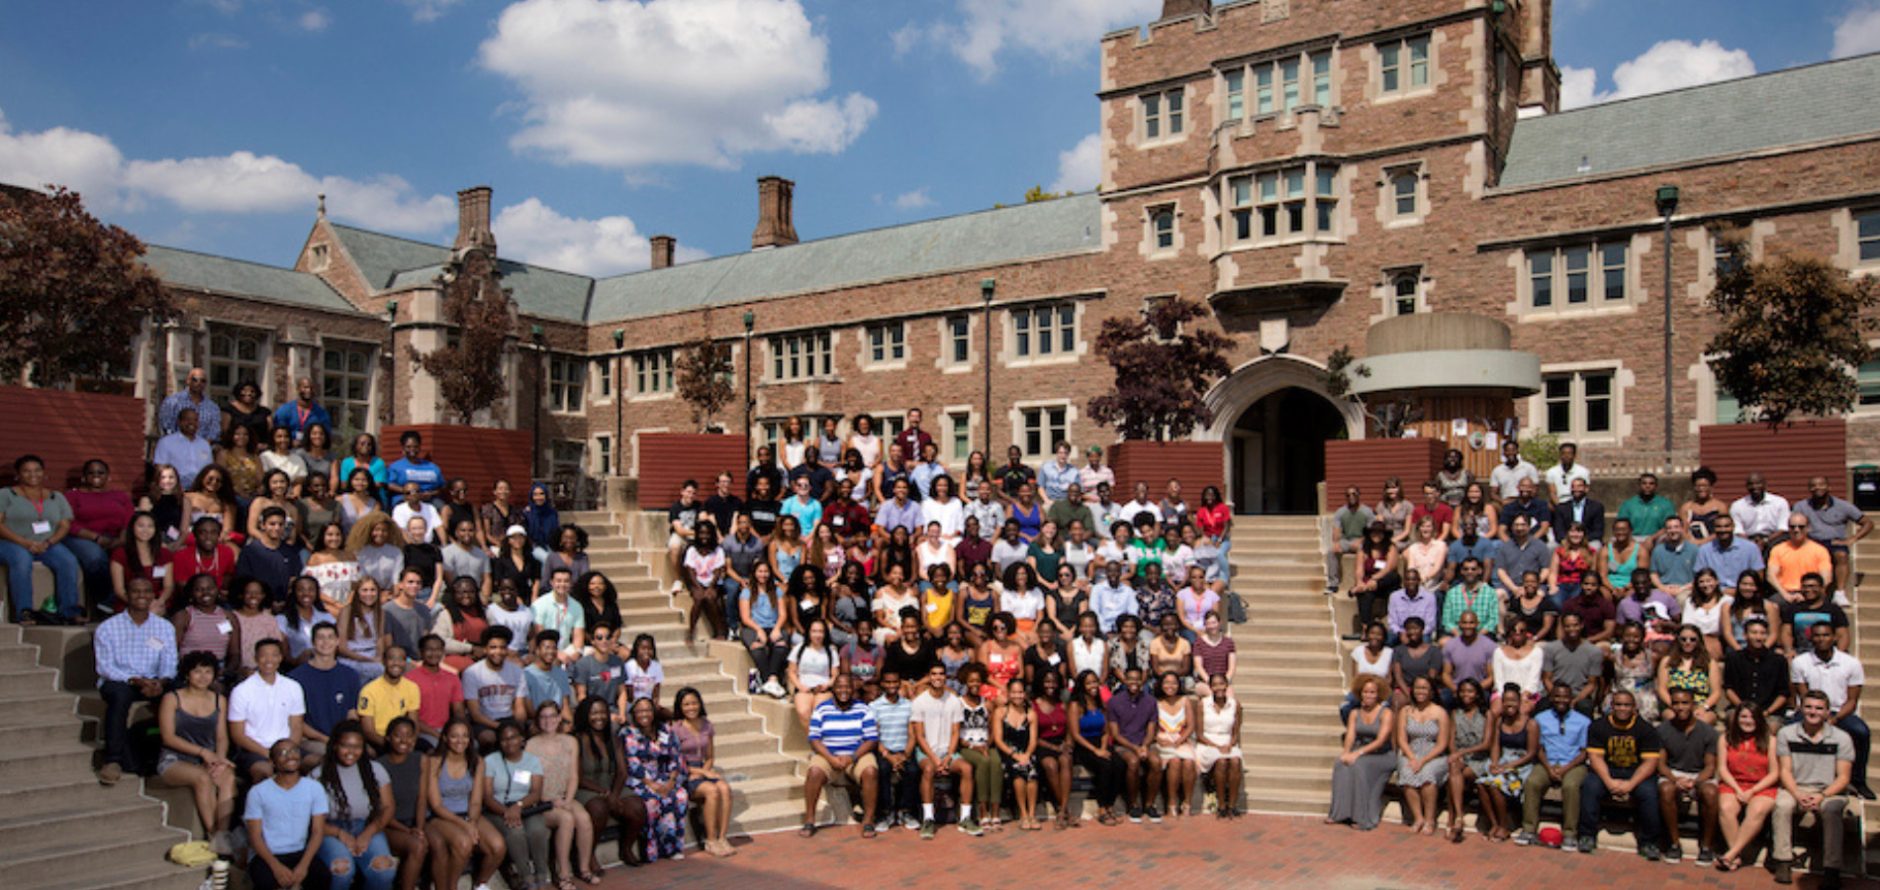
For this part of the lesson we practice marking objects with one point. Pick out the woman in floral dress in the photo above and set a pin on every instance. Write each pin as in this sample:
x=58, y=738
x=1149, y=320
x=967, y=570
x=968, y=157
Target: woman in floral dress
x=656, y=772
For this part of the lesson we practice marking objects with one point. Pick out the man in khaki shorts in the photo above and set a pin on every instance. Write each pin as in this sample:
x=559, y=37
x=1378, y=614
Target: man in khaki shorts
x=844, y=735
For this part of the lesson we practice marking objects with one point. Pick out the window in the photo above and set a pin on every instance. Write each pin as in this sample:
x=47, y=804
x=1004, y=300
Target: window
x=1403, y=192
x=1161, y=333
x=1583, y=275
x=1277, y=204
x=959, y=339
x=346, y=386
x=801, y=356
x=960, y=430
x=1263, y=89
x=235, y=354
x=567, y=459
x=1289, y=84
x=1720, y=255
x=1287, y=72
x=1043, y=428
x=1162, y=226
x=606, y=377
x=1579, y=403
x=1404, y=298
x=652, y=372
x=1867, y=233
x=1729, y=410
x=1869, y=382
x=604, y=454
x=1405, y=64
x=1162, y=114
x=316, y=261
x=1322, y=79
x=1236, y=94
x=1050, y=329
x=887, y=342
x=567, y=375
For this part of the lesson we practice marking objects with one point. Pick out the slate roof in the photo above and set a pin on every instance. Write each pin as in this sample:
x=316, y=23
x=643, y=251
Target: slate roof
x=188, y=269
x=1789, y=107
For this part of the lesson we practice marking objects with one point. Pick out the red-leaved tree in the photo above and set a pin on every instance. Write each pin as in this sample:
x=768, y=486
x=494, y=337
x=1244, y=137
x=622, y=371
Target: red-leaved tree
x=1164, y=366
x=469, y=371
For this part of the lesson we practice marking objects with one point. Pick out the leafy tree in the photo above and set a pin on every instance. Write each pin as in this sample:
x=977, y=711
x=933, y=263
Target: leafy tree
x=1163, y=370
x=469, y=371
x=1037, y=193
x=1792, y=334
x=1541, y=449
x=73, y=294
x=704, y=368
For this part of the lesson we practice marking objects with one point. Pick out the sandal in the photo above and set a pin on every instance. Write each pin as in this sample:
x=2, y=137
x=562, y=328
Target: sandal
x=565, y=884
x=808, y=830
x=868, y=831
x=588, y=877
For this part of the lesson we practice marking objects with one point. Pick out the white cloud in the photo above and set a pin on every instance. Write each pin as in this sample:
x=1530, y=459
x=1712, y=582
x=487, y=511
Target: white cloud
x=1667, y=65
x=429, y=10
x=216, y=40
x=1059, y=30
x=913, y=200
x=632, y=83
x=534, y=232
x=1857, y=32
x=314, y=20
x=1080, y=168
x=240, y=182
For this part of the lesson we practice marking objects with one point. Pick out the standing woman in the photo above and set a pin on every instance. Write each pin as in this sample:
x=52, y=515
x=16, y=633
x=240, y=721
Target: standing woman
x=1028, y=512
x=1023, y=602
x=282, y=456
x=316, y=453
x=933, y=550
x=976, y=746
x=195, y=747
x=495, y=518
x=793, y=444
x=1747, y=783
x=1364, y=767
x=244, y=409
x=1704, y=507
x=1518, y=662
x=364, y=456
x=253, y=623
x=1219, y=750
x=976, y=473
x=825, y=551
x=1214, y=650
x=600, y=602
x=1470, y=755
x=542, y=520
x=1015, y=737
x=359, y=497
x=808, y=601
x=461, y=623
x=203, y=625
x=1054, y=745
x=1174, y=744
x=977, y=602
x=1622, y=556
x=1571, y=561
x=704, y=784
x=142, y=556
x=859, y=475
x=276, y=491
x=512, y=788
x=334, y=566
x=567, y=818
x=1689, y=665
x=1476, y=508
x=1514, y=745
x=954, y=653
x=862, y=439
x=603, y=775
x=1423, y=738
x=238, y=455
x=453, y=796
x=1129, y=651
x=942, y=505
x=1215, y=521
x=297, y=619
x=656, y=773
x=1170, y=654
x=1634, y=668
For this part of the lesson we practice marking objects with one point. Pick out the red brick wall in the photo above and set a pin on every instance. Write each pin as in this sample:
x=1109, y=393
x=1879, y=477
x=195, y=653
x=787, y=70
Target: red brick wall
x=668, y=459
x=1366, y=463
x=68, y=428
x=478, y=455
x=1786, y=456
x=1196, y=464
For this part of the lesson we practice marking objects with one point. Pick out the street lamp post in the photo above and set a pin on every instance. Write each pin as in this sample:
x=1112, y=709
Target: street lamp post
x=620, y=415
x=1667, y=199
x=750, y=321
x=391, y=366
x=986, y=288
x=541, y=372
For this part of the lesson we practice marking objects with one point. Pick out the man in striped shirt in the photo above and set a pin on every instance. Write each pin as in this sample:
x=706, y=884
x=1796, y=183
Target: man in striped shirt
x=135, y=655
x=843, y=734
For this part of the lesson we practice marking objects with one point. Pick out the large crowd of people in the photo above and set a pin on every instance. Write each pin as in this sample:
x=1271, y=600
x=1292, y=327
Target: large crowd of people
x=1674, y=660
x=395, y=682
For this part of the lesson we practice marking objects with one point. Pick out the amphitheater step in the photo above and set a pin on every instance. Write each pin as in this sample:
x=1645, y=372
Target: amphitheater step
x=44, y=858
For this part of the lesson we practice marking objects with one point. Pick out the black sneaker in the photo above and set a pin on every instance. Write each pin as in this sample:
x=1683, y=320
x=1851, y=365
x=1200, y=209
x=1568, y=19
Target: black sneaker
x=1784, y=871
x=1705, y=857
x=1135, y=815
x=1155, y=815
x=1649, y=851
x=1588, y=843
x=1865, y=793
x=1673, y=853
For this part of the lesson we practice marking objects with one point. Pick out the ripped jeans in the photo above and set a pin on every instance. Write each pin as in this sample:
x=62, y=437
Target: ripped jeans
x=343, y=865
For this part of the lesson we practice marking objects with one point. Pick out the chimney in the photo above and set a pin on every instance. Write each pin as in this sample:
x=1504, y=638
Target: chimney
x=473, y=220
x=1177, y=8
x=774, y=228
x=663, y=246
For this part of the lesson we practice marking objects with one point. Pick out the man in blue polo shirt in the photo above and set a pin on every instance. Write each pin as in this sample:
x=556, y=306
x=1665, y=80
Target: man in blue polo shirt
x=1728, y=555
x=1563, y=763
x=1674, y=559
x=414, y=469
x=843, y=734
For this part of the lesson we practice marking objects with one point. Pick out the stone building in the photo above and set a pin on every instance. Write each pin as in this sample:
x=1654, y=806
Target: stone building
x=1396, y=178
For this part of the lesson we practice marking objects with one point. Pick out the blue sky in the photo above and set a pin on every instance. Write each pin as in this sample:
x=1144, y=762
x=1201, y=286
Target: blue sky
x=210, y=124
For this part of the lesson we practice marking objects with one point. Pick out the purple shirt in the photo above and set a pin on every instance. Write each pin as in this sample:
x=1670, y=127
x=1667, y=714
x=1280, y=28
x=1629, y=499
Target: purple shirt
x=1402, y=607
x=1631, y=610
x=1132, y=718
x=892, y=515
x=1471, y=662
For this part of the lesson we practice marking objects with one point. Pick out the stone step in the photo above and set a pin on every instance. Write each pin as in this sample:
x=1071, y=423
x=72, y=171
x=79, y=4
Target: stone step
x=39, y=735
x=1305, y=736
x=1306, y=757
x=52, y=787
x=33, y=708
x=1327, y=697
x=1285, y=802
x=47, y=857
x=17, y=764
x=144, y=875
x=28, y=681
x=1260, y=780
x=1264, y=714
x=18, y=657
x=18, y=828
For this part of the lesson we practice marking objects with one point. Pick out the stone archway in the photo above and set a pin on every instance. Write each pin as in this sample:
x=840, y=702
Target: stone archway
x=1272, y=417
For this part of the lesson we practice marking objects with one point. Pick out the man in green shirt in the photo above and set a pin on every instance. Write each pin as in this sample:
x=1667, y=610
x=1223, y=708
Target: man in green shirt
x=1646, y=510
x=1071, y=507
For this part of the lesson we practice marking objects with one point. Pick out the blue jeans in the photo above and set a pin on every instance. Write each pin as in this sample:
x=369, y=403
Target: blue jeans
x=728, y=591
x=94, y=564
x=65, y=572
x=1562, y=593
x=1650, y=827
x=343, y=865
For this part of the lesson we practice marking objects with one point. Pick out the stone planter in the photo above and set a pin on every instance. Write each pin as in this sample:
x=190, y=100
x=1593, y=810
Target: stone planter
x=666, y=460
x=478, y=455
x=1787, y=456
x=1196, y=464
x=1366, y=463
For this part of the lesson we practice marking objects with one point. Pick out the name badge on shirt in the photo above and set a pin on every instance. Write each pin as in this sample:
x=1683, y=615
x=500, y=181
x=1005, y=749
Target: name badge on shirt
x=523, y=775
x=159, y=571
x=155, y=644
x=1053, y=660
x=172, y=533
x=223, y=626
x=933, y=607
x=42, y=527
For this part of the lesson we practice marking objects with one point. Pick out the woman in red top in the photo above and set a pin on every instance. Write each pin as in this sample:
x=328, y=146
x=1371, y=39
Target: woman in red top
x=1054, y=751
x=1746, y=783
x=142, y=556
x=1572, y=560
x=1215, y=520
x=99, y=517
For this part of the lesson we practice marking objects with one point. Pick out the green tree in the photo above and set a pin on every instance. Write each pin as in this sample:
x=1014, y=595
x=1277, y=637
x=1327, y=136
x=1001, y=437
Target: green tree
x=1164, y=365
x=1793, y=334
x=73, y=293
x=469, y=370
x=1037, y=193
x=704, y=370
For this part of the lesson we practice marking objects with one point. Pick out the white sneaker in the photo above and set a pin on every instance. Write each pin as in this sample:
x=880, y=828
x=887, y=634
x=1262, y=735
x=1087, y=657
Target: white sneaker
x=774, y=689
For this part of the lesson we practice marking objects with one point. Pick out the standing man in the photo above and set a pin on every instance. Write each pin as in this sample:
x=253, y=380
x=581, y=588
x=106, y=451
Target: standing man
x=1105, y=511
x=926, y=470
x=1521, y=553
x=912, y=439
x=135, y=655
x=1094, y=473
x=1560, y=476
x=1015, y=474
x=1471, y=596
x=1837, y=677
x=1057, y=475
x=935, y=726
x=1816, y=763
x=1071, y=508
x=723, y=505
x=330, y=689
x=388, y=698
x=493, y=689
x=1348, y=524
x=1580, y=508
x=1758, y=513
x=303, y=412
x=406, y=618
x=1524, y=505
x=185, y=448
x=547, y=680
x=602, y=673
x=804, y=506
x=194, y=396
x=1507, y=475
x=1646, y=510
x=1829, y=522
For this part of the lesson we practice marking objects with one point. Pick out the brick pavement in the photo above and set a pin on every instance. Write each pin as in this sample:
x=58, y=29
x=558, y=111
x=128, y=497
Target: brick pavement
x=1267, y=851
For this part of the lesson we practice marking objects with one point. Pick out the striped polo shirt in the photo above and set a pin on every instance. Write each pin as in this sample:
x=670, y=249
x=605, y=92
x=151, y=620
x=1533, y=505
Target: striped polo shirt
x=842, y=730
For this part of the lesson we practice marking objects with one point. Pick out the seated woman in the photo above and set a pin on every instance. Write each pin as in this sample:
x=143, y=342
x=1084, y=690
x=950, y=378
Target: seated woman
x=192, y=721
x=512, y=787
x=1169, y=653
x=362, y=631
x=1747, y=781
x=656, y=772
x=704, y=784
x=1015, y=735
x=334, y=566
x=1689, y=666
x=1218, y=753
x=1003, y=657
x=253, y=623
x=1127, y=651
x=1024, y=601
x=566, y=818
x=1469, y=756
x=203, y=625
x=976, y=746
x=142, y=555
x=862, y=656
x=297, y=620
x=978, y=599
x=813, y=666
x=1359, y=776
x=1174, y=748
x=1091, y=744
x=376, y=545
x=760, y=623
x=1423, y=738
x=603, y=775
x=953, y=653
x=453, y=797
x=276, y=491
x=1514, y=745
x=404, y=834
x=1054, y=745
x=359, y=806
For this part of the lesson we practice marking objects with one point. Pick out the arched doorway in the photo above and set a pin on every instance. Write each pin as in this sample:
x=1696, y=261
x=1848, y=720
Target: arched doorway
x=1276, y=452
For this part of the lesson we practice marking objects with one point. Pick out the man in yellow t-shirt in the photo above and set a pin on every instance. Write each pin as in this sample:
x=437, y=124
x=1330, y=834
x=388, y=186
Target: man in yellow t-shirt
x=388, y=698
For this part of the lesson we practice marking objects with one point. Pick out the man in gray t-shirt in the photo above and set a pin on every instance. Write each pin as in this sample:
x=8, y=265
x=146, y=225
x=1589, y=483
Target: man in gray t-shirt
x=602, y=672
x=1348, y=525
x=1575, y=662
x=1816, y=763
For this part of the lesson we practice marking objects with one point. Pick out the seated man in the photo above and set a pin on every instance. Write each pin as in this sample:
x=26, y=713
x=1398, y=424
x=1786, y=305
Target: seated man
x=494, y=689
x=1815, y=763
x=1127, y=717
x=843, y=734
x=1622, y=755
x=1838, y=676
x=1348, y=524
x=264, y=709
x=935, y=726
x=1471, y=596
x=135, y=654
x=1563, y=754
x=388, y=698
x=286, y=820
x=1795, y=556
x=1688, y=771
x=898, y=775
x=1574, y=661
x=331, y=689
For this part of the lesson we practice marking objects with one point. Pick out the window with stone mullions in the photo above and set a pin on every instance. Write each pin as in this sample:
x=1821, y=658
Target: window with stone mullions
x=887, y=342
x=1277, y=84
x=801, y=356
x=1043, y=428
x=1162, y=114
x=652, y=372
x=235, y=354
x=960, y=424
x=1045, y=330
x=959, y=339
x=1162, y=223
x=1405, y=64
x=1405, y=299
x=1278, y=204
x=1579, y=403
x=1577, y=274
x=567, y=377
x=346, y=384
x=1867, y=233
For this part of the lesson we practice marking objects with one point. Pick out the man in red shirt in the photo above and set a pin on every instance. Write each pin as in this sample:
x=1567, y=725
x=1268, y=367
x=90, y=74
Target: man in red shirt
x=1433, y=507
x=440, y=693
x=206, y=555
x=911, y=438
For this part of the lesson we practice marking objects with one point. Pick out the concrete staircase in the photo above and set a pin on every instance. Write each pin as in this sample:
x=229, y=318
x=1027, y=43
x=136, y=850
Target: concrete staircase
x=765, y=770
x=59, y=828
x=1289, y=680
x=1865, y=633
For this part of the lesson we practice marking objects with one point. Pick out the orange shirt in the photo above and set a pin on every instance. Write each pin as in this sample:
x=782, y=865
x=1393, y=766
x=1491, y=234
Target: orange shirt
x=1788, y=563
